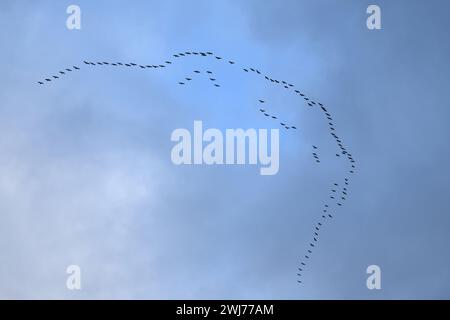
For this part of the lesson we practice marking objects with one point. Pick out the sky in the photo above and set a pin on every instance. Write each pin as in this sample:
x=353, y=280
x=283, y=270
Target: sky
x=86, y=176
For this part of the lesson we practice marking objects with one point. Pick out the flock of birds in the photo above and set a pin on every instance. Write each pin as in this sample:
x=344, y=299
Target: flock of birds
x=338, y=190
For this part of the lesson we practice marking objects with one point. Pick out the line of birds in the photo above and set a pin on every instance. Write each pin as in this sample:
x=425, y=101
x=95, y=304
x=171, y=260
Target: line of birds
x=271, y=116
x=326, y=213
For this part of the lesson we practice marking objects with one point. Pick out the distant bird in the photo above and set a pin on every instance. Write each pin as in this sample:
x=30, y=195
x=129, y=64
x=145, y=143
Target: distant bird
x=273, y=117
x=315, y=239
x=245, y=70
x=218, y=58
x=262, y=110
x=168, y=62
x=216, y=85
x=196, y=71
x=306, y=256
x=40, y=82
x=55, y=77
x=212, y=79
x=48, y=80
x=188, y=79
x=282, y=123
x=339, y=204
x=86, y=62
x=176, y=56
x=208, y=72
x=181, y=83
x=262, y=101
x=294, y=127
x=76, y=68
x=314, y=147
x=70, y=70
x=62, y=72
x=231, y=62
x=266, y=114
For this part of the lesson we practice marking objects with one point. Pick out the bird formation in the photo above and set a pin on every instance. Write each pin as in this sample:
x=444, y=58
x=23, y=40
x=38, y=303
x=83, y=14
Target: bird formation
x=74, y=68
x=338, y=193
x=287, y=127
x=207, y=74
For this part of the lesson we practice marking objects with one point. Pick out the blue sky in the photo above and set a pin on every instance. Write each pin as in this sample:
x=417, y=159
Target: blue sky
x=86, y=176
